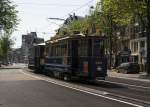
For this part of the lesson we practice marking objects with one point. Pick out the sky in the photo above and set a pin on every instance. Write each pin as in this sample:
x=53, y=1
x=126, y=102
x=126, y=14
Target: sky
x=34, y=14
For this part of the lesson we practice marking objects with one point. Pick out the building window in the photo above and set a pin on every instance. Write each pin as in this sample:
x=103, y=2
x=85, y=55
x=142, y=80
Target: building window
x=135, y=47
x=142, y=44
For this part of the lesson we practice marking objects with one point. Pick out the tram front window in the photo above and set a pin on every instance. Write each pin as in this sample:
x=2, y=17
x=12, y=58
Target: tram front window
x=98, y=47
x=83, y=47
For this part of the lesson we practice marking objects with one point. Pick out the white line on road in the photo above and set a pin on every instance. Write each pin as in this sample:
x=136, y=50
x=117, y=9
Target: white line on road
x=99, y=95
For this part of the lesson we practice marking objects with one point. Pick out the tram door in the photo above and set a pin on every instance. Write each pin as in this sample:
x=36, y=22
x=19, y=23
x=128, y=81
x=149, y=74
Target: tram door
x=74, y=48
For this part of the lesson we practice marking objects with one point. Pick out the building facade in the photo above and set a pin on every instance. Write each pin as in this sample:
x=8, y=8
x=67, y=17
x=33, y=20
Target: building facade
x=17, y=56
x=138, y=43
x=139, y=50
x=28, y=41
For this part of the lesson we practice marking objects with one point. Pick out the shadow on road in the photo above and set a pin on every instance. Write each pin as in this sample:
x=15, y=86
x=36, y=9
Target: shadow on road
x=101, y=84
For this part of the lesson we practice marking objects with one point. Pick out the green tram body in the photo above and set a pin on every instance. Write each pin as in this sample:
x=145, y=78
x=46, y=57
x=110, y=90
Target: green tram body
x=74, y=57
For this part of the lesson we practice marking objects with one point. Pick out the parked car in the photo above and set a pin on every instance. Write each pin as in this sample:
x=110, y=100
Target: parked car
x=129, y=67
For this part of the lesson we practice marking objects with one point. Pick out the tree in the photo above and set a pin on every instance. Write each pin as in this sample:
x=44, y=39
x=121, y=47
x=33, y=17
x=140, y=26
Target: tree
x=124, y=11
x=8, y=15
x=78, y=25
x=5, y=45
x=94, y=21
x=148, y=34
x=8, y=23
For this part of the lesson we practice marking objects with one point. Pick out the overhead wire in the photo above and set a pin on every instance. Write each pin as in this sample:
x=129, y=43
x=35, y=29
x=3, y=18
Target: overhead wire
x=84, y=5
x=74, y=10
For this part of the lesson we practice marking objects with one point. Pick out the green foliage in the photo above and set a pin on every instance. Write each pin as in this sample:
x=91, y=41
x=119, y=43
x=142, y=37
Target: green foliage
x=8, y=23
x=78, y=25
x=8, y=15
x=74, y=26
x=95, y=18
x=63, y=31
x=123, y=12
x=120, y=10
x=5, y=44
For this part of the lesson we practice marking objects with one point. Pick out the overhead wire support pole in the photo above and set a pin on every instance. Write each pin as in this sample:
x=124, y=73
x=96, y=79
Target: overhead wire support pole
x=57, y=19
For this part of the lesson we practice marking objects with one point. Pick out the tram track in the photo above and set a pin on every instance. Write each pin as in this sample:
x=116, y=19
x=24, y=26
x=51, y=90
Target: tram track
x=131, y=99
x=128, y=85
x=123, y=93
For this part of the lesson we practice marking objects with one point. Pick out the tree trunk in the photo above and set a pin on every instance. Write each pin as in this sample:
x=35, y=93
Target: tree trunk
x=148, y=37
x=148, y=51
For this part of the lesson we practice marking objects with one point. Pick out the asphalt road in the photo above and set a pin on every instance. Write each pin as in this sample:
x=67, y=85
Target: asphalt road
x=130, y=82
x=19, y=89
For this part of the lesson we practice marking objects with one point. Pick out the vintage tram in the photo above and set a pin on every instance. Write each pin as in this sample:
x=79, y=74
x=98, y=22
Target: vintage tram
x=36, y=57
x=70, y=57
x=76, y=56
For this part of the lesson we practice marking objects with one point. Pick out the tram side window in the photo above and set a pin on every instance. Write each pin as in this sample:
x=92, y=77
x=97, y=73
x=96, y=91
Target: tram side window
x=52, y=51
x=46, y=51
x=59, y=50
x=63, y=49
x=36, y=52
x=69, y=49
x=49, y=51
x=98, y=48
x=31, y=52
x=57, y=54
x=83, y=48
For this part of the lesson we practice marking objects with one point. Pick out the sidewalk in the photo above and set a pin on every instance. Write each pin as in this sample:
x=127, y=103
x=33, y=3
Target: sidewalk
x=13, y=66
x=137, y=77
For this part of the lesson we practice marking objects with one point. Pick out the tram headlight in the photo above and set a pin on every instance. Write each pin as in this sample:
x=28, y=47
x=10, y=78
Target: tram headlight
x=99, y=68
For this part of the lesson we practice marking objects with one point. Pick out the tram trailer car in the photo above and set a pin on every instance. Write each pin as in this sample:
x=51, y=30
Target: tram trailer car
x=77, y=56
x=36, y=57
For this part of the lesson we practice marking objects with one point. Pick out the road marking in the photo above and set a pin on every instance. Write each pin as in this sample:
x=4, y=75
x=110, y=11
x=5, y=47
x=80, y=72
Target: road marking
x=125, y=84
x=81, y=90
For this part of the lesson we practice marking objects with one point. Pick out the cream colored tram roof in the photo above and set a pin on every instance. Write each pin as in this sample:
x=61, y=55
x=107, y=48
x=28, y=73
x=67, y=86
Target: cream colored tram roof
x=63, y=38
x=40, y=44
